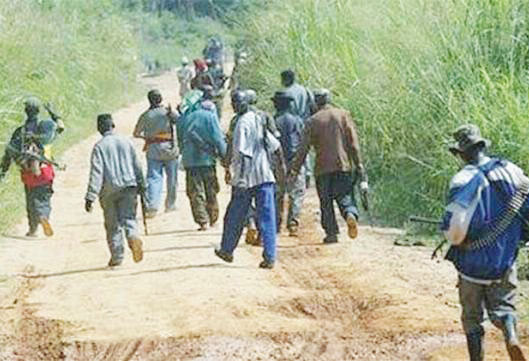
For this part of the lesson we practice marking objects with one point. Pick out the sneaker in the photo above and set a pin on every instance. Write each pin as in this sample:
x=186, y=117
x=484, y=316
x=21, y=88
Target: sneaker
x=352, y=226
x=223, y=255
x=266, y=264
x=293, y=230
x=135, y=246
x=32, y=233
x=151, y=213
x=46, y=226
x=114, y=262
x=330, y=239
x=251, y=237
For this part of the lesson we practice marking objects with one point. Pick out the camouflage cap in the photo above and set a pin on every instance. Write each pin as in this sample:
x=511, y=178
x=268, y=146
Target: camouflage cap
x=466, y=136
x=322, y=96
x=251, y=96
x=32, y=102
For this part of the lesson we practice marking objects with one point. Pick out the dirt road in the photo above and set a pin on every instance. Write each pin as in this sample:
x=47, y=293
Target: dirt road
x=361, y=300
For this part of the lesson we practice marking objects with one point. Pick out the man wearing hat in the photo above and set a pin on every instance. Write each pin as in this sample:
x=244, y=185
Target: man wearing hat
x=156, y=127
x=185, y=74
x=30, y=148
x=116, y=179
x=290, y=128
x=484, y=220
x=331, y=131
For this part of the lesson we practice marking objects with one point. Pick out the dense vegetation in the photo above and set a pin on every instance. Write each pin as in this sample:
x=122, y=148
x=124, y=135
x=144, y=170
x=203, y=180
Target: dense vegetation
x=78, y=54
x=410, y=72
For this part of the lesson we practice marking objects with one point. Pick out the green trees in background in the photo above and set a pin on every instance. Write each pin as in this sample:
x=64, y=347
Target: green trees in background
x=79, y=54
x=409, y=71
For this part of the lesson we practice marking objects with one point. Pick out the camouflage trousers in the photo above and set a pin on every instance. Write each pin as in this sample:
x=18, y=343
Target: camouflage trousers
x=202, y=187
x=295, y=190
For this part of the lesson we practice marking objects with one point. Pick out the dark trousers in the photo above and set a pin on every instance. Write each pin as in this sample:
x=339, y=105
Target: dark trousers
x=38, y=204
x=335, y=187
x=202, y=187
x=237, y=212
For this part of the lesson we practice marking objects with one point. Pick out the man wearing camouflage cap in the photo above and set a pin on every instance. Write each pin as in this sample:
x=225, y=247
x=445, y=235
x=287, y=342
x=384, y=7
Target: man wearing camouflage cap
x=331, y=131
x=484, y=220
x=30, y=148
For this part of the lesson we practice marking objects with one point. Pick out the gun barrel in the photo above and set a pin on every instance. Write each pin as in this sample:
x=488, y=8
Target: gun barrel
x=417, y=219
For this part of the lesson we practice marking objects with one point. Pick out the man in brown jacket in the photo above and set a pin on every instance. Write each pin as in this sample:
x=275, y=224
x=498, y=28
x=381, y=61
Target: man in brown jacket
x=331, y=131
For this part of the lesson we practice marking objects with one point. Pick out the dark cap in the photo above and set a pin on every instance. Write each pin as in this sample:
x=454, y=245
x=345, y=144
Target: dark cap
x=104, y=121
x=154, y=96
x=282, y=96
x=466, y=136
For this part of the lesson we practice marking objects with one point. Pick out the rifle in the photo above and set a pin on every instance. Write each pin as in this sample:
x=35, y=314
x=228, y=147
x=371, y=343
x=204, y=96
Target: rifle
x=364, y=196
x=141, y=192
x=430, y=221
x=52, y=114
x=28, y=154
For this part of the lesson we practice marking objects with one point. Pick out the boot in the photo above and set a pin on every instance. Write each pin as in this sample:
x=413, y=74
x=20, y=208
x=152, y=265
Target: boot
x=511, y=339
x=475, y=345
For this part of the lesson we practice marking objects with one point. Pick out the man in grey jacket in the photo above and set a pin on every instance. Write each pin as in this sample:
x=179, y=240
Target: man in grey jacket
x=116, y=178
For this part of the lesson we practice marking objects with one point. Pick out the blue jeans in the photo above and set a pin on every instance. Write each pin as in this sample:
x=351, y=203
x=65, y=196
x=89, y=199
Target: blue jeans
x=155, y=169
x=335, y=187
x=237, y=213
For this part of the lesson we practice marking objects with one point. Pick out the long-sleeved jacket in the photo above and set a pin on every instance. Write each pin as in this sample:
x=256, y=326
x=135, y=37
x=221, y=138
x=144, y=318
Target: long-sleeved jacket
x=290, y=128
x=200, y=139
x=331, y=131
x=114, y=166
x=303, y=100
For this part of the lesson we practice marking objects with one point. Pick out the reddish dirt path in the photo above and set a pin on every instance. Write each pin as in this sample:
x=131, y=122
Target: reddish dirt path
x=361, y=300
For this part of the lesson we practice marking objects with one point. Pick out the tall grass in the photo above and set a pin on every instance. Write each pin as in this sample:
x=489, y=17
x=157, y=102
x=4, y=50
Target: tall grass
x=410, y=72
x=78, y=54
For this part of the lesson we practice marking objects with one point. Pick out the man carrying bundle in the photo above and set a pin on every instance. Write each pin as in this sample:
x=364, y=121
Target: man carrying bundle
x=156, y=127
x=485, y=220
x=30, y=148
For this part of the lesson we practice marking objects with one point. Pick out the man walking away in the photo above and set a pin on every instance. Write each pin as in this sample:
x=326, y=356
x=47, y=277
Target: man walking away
x=156, y=127
x=116, y=179
x=185, y=74
x=253, y=178
x=202, y=141
x=484, y=220
x=30, y=148
x=331, y=131
x=290, y=127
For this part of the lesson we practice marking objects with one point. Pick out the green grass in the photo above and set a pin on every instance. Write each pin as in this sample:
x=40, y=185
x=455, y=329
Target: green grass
x=78, y=54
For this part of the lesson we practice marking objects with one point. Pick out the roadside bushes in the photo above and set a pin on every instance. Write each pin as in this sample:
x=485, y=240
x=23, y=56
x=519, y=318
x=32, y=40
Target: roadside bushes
x=410, y=72
x=78, y=54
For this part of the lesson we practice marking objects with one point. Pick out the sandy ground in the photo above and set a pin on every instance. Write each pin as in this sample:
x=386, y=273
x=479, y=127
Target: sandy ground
x=357, y=300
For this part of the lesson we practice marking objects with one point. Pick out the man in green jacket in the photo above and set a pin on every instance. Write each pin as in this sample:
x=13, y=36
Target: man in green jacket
x=201, y=142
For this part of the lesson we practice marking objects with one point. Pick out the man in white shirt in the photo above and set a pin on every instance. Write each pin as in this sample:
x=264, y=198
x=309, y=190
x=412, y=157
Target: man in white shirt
x=252, y=178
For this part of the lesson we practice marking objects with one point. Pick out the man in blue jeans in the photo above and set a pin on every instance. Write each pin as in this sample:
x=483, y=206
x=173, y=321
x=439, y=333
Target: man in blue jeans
x=156, y=127
x=252, y=178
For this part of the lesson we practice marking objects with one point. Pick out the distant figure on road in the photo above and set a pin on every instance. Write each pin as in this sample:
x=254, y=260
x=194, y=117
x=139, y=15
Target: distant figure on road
x=30, y=148
x=253, y=178
x=156, y=127
x=185, y=75
x=116, y=179
x=485, y=220
x=331, y=131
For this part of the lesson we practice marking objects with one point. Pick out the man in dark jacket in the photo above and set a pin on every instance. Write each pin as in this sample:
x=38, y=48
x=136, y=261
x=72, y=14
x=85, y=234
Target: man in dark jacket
x=290, y=128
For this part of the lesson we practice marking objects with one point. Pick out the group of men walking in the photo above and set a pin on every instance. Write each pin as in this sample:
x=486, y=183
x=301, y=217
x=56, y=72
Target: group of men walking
x=265, y=161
